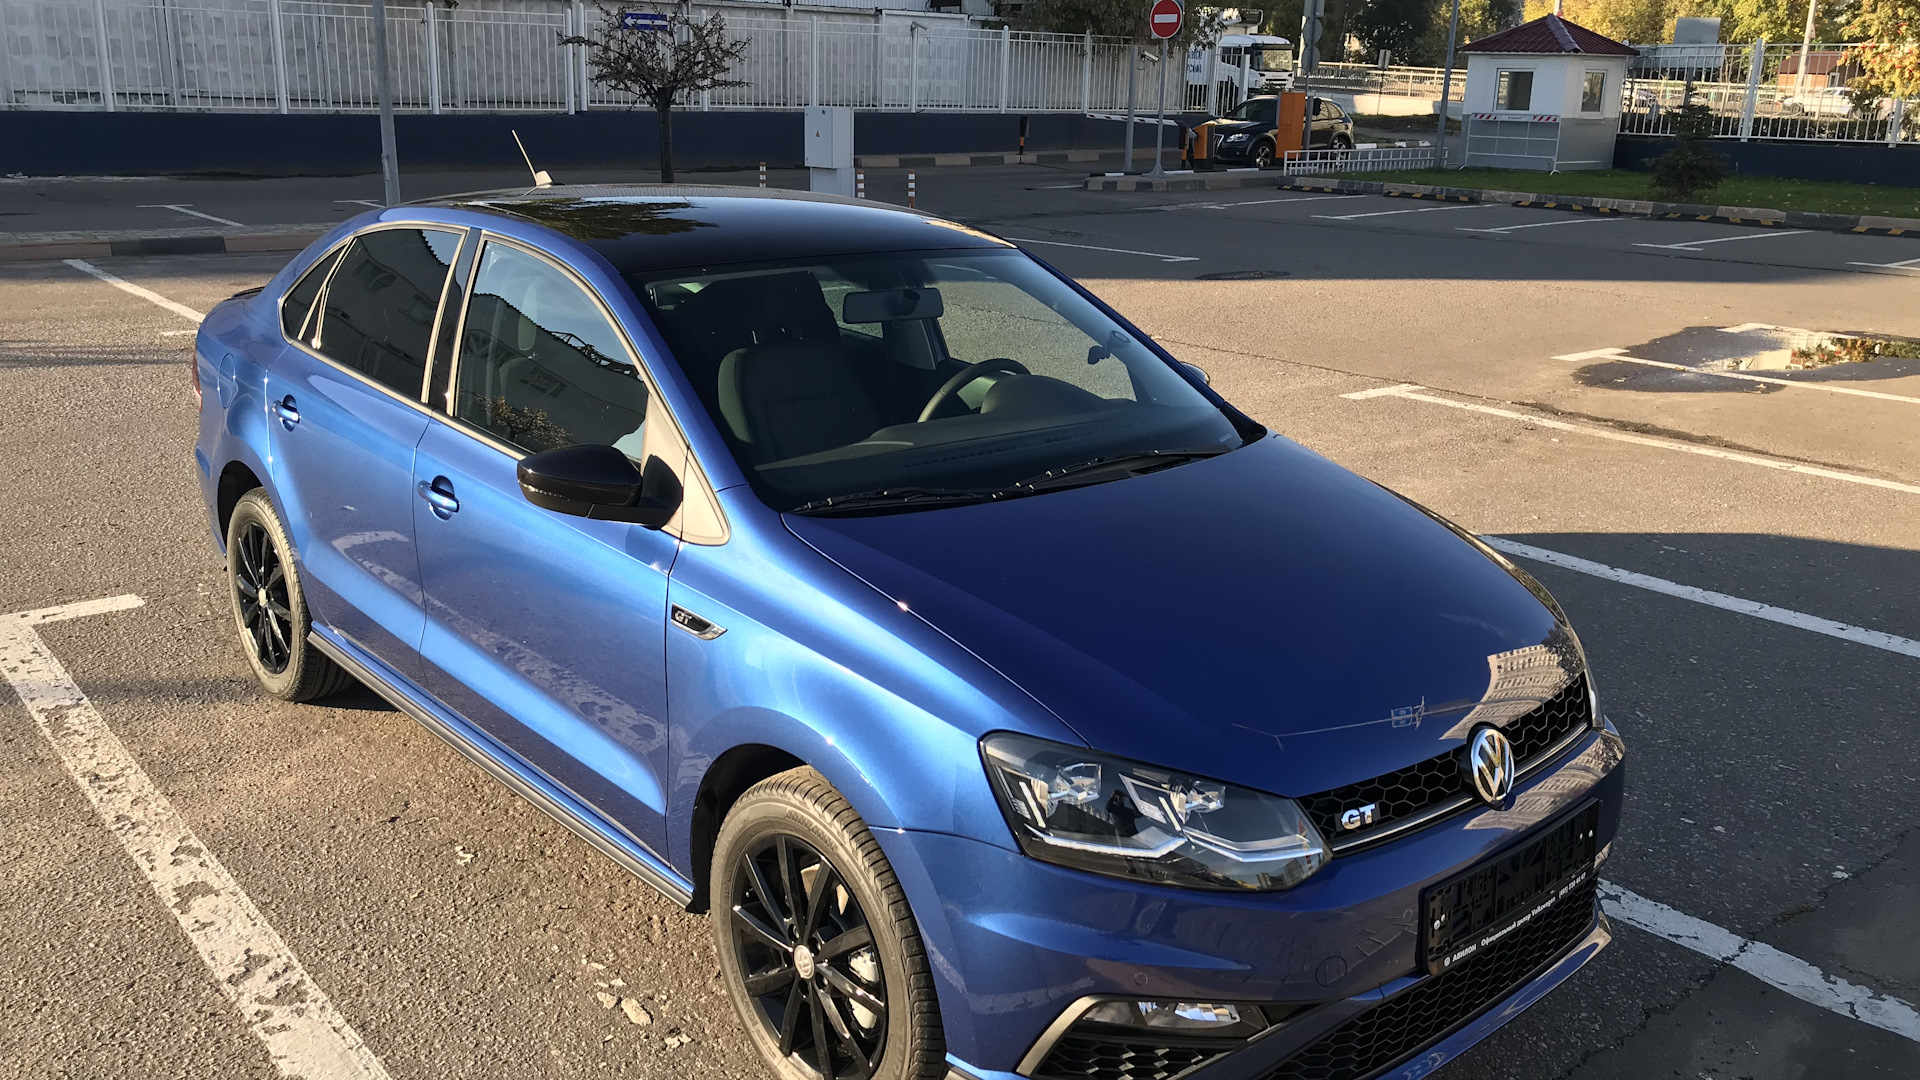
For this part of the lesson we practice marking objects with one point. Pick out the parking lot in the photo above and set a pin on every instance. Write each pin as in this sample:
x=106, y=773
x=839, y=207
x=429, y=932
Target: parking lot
x=1738, y=547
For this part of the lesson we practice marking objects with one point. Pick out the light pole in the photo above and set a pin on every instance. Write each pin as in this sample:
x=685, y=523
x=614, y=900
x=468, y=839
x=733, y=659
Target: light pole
x=383, y=89
x=1446, y=92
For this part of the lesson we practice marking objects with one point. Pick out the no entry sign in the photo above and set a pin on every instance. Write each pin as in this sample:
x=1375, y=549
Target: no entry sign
x=1165, y=20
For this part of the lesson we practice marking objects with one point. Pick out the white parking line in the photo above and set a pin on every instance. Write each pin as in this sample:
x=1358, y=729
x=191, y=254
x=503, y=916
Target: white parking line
x=182, y=208
x=1411, y=391
x=1243, y=202
x=1905, y=264
x=126, y=286
x=377, y=204
x=1543, y=224
x=305, y=1035
x=1831, y=388
x=1764, y=962
x=1389, y=213
x=1117, y=251
x=1696, y=245
x=1844, y=631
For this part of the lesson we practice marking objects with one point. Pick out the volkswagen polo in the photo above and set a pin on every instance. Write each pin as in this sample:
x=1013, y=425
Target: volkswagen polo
x=1014, y=705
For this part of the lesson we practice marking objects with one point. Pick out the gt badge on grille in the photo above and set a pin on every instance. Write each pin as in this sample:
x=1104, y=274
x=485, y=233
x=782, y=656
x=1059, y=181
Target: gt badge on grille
x=1358, y=816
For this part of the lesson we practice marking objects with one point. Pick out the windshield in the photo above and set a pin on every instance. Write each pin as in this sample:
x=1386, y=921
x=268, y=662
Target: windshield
x=1274, y=58
x=939, y=372
x=1262, y=109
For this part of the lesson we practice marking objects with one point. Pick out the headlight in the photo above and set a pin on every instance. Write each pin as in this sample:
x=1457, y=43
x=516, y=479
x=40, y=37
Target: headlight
x=1092, y=812
x=1234, y=138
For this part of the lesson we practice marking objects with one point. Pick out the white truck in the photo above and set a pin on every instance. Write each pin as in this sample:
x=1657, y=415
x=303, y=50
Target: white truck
x=1237, y=67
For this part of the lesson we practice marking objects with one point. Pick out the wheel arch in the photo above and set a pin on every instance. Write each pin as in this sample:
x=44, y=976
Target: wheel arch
x=726, y=779
x=236, y=479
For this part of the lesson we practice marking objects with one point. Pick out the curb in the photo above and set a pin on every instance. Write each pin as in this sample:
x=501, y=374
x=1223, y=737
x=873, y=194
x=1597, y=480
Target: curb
x=1730, y=215
x=1049, y=157
x=1185, y=181
x=28, y=247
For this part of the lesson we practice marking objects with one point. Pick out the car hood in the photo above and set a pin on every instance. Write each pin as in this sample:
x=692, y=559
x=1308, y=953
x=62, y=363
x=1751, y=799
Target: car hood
x=1263, y=617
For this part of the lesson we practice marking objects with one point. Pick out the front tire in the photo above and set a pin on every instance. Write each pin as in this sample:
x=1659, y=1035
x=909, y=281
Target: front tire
x=818, y=947
x=269, y=607
x=1262, y=155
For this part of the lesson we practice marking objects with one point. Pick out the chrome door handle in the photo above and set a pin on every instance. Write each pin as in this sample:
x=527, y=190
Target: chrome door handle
x=439, y=495
x=288, y=413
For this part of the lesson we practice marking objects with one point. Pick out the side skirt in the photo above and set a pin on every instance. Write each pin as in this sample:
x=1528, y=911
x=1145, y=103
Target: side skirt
x=482, y=751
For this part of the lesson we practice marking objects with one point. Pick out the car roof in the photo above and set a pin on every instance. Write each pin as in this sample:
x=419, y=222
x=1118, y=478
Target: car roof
x=641, y=228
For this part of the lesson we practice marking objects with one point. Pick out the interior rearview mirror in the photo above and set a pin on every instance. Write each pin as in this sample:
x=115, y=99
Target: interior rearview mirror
x=600, y=482
x=892, y=305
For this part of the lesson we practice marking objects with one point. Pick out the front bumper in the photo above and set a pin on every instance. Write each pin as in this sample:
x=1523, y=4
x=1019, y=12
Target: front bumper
x=1015, y=942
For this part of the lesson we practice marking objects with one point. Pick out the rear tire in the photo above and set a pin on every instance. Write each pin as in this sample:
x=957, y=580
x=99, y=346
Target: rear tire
x=1343, y=141
x=808, y=911
x=269, y=607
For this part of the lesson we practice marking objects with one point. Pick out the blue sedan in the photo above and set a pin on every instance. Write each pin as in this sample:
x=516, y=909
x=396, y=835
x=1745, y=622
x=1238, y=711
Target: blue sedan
x=1015, y=705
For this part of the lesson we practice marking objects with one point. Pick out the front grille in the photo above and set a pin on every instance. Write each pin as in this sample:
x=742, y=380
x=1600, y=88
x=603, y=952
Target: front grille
x=1080, y=1056
x=1403, y=1025
x=1424, y=785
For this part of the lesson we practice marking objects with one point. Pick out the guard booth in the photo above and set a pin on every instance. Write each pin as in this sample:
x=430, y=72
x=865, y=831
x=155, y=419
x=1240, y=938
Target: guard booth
x=1544, y=95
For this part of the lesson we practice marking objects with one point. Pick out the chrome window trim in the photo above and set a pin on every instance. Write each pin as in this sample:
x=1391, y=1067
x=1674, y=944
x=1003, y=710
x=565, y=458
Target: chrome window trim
x=319, y=298
x=311, y=343
x=690, y=463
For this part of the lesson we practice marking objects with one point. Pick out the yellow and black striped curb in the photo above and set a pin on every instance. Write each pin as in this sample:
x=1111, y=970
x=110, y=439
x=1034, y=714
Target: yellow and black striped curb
x=1866, y=224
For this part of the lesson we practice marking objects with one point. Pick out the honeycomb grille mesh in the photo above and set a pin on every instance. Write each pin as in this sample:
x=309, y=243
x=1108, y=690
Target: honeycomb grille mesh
x=1403, y=793
x=1094, y=1057
x=1407, y=1023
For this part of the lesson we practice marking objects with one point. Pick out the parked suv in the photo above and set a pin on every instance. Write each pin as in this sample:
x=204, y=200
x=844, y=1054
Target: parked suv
x=1014, y=705
x=1245, y=135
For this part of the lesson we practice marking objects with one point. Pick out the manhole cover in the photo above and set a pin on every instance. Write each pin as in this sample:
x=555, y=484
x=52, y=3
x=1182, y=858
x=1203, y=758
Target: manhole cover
x=1241, y=275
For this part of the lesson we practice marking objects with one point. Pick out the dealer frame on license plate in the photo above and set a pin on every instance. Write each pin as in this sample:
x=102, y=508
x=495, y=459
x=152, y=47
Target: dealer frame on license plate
x=1459, y=918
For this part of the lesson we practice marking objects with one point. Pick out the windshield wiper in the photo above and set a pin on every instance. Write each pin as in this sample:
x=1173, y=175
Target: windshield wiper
x=897, y=498
x=1119, y=465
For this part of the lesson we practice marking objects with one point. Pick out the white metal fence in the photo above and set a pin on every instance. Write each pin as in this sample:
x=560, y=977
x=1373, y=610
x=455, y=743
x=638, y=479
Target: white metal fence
x=1378, y=159
x=1763, y=91
x=504, y=56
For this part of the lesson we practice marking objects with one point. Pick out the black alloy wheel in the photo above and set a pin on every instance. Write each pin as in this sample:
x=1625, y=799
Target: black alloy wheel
x=260, y=594
x=809, y=959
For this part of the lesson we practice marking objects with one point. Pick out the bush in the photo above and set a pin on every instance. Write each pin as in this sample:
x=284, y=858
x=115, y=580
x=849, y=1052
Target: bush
x=1689, y=168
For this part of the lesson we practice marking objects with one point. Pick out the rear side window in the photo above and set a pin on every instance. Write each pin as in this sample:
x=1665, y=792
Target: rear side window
x=299, y=302
x=541, y=366
x=379, y=311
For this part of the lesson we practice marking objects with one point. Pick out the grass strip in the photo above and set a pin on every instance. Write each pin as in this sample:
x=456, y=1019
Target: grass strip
x=1770, y=192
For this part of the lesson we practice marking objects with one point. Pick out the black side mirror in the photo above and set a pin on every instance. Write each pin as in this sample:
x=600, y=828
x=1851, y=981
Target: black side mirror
x=600, y=482
x=1198, y=372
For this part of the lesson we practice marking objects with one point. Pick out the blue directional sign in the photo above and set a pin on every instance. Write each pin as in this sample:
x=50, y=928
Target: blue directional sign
x=642, y=20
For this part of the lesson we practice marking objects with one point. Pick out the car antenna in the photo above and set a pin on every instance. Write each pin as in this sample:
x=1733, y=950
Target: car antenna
x=540, y=177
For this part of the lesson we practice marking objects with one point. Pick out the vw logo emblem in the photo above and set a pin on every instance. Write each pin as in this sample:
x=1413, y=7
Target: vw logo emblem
x=1488, y=763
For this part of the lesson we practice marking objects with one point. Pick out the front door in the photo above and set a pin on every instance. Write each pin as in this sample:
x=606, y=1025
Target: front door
x=345, y=415
x=546, y=631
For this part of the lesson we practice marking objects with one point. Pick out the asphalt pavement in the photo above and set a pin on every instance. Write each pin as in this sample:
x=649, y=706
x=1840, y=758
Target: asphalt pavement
x=1741, y=556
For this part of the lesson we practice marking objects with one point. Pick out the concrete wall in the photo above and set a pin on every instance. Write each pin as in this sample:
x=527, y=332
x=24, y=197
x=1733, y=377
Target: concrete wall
x=1860, y=163
x=248, y=144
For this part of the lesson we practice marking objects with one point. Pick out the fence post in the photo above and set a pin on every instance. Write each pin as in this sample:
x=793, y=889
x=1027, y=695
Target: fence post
x=1006, y=64
x=1086, y=72
x=879, y=80
x=279, y=54
x=913, y=67
x=813, y=59
x=706, y=96
x=580, y=57
x=106, y=58
x=433, y=61
x=566, y=62
x=1895, y=119
x=1756, y=61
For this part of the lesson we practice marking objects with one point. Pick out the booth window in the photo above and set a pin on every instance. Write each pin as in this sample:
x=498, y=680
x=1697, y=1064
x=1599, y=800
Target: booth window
x=1514, y=92
x=1592, y=91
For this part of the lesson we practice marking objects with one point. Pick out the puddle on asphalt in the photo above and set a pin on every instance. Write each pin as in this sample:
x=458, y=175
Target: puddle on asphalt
x=1776, y=351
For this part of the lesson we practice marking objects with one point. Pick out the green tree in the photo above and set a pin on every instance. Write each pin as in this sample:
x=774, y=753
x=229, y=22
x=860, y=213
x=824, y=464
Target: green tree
x=1689, y=168
x=683, y=56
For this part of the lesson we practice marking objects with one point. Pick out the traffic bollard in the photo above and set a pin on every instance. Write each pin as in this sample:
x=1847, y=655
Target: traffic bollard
x=910, y=191
x=859, y=185
x=763, y=174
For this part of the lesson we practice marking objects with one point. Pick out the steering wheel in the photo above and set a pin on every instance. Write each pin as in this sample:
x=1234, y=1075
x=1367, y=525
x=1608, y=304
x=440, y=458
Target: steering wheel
x=966, y=375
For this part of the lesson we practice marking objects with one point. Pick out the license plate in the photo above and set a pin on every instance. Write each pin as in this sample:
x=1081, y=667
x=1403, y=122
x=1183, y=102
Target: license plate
x=1461, y=917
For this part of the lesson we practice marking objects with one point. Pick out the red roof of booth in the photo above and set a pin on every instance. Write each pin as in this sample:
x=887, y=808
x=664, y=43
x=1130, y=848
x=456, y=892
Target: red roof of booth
x=1550, y=34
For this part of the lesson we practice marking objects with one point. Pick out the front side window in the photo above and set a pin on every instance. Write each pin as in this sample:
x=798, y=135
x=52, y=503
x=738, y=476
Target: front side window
x=1261, y=109
x=541, y=366
x=1513, y=92
x=1592, y=91
x=381, y=304
x=963, y=372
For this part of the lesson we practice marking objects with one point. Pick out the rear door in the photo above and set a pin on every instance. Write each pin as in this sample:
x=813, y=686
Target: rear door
x=346, y=412
x=544, y=630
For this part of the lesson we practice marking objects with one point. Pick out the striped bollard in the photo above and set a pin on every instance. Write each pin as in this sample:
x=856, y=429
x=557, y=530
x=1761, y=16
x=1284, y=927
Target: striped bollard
x=910, y=190
x=859, y=184
x=763, y=174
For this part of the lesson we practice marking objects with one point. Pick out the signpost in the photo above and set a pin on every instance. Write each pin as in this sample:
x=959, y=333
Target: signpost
x=642, y=20
x=1164, y=20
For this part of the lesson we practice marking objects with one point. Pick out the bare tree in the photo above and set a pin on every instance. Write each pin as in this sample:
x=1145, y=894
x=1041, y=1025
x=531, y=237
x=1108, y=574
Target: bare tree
x=674, y=54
